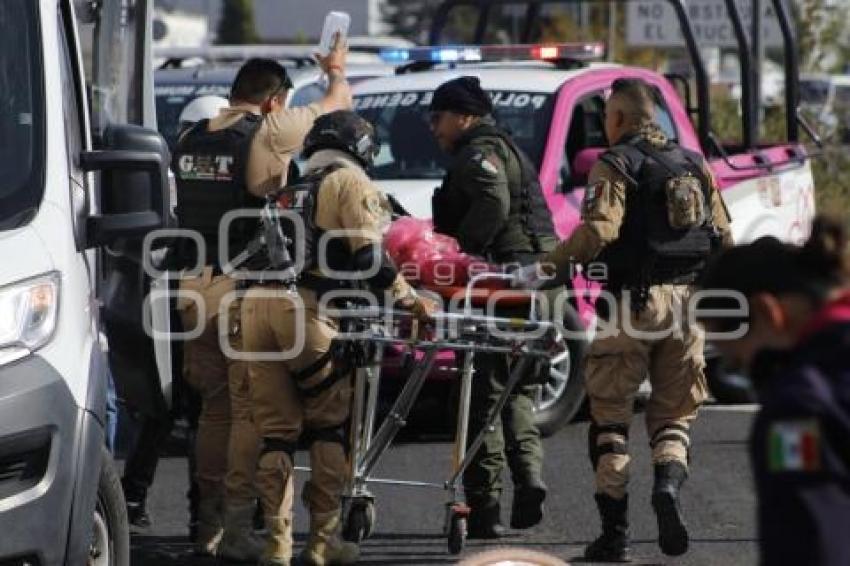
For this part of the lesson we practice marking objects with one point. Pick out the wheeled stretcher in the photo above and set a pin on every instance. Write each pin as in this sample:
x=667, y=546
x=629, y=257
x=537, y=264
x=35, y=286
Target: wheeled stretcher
x=527, y=341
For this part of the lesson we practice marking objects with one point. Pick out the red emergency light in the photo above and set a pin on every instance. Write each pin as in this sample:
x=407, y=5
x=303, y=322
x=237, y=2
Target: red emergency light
x=582, y=52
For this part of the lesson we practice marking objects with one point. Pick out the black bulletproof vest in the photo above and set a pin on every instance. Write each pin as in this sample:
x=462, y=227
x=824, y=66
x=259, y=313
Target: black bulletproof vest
x=302, y=198
x=648, y=250
x=528, y=209
x=209, y=168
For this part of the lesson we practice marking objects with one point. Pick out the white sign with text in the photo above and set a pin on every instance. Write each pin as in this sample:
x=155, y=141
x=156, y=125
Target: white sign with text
x=654, y=23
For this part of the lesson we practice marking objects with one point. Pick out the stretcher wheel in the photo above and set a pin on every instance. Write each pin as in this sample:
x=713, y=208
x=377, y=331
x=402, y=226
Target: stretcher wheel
x=457, y=533
x=360, y=522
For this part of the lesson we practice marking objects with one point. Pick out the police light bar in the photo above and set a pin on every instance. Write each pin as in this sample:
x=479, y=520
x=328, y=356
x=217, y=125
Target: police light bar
x=485, y=53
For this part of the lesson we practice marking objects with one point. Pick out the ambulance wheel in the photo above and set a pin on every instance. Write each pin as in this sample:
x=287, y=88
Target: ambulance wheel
x=110, y=537
x=360, y=522
x=563, y=391
x=457, y=534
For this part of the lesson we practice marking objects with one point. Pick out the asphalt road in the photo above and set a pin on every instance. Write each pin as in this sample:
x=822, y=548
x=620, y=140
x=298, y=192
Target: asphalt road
x=718, y=501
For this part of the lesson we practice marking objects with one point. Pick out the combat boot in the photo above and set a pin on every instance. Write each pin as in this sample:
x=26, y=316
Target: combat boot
x=238, y=543
x=527, y=508
x=208, y=527
x=278, y=549
x=277, y=489
x=613, y=544
x=672, y=532
x=325, y=547
x=485, y=520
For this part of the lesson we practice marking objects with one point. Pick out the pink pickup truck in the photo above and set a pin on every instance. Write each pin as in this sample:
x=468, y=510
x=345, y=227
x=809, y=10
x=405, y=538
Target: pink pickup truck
x=551, y=98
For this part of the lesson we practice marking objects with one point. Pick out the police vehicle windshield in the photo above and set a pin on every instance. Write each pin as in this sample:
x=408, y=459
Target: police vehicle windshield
x=407, y=148
x=21, y=113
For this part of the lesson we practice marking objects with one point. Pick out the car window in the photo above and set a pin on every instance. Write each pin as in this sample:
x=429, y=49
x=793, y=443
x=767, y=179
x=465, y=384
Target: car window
x=407, y=148
x=814, y=92
x=587, y=130
x=21, y=112
x=587, y=127
x=307, y=94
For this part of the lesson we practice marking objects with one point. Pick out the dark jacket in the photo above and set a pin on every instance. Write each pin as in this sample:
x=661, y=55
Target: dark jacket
x=800, y=445
x=491, y=200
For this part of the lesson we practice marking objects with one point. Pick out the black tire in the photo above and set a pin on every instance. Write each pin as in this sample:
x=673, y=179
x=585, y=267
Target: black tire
x=110, y=529
x=457, y=534
x=727, y=388
x=561, y=402
x=360, y=522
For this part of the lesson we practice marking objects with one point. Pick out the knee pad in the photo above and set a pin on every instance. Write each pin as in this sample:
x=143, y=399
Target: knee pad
x=340, y=369
x=278, y=445
x=669, y=442
x=606, y=439
x=336, y=434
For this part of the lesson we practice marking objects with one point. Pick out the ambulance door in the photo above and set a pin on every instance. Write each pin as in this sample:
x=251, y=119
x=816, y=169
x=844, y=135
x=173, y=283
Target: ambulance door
x=134, y=304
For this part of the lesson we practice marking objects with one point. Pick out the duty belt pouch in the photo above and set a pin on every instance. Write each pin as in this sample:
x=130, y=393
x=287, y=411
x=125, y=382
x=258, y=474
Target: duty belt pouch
x=685, y=194
x=685, y=203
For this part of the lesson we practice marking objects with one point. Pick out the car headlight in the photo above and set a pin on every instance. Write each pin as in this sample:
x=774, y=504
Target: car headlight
x=28, y=313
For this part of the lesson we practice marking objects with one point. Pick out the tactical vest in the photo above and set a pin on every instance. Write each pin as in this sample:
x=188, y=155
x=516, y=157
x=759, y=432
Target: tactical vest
x=209, y=168
x=649, y=250
x=529, y=219
x=301, y=198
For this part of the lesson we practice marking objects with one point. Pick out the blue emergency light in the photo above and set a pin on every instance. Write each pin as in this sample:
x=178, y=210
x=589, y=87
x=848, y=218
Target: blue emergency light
x=485, y=53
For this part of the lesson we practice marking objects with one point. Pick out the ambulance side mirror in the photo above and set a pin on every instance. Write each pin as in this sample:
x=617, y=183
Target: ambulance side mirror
x=133, y=183
x=583, y=163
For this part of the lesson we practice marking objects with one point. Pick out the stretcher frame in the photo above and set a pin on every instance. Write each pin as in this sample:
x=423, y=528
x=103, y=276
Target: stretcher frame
x=367, y=445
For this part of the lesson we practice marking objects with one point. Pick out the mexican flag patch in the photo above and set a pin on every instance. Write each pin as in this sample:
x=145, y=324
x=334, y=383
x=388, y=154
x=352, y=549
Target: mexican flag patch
x=794, y=446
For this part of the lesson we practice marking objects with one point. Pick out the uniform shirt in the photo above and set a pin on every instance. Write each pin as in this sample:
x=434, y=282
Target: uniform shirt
x=800, y=446
x=604, y=209
x=349, y=200
x=280, y=136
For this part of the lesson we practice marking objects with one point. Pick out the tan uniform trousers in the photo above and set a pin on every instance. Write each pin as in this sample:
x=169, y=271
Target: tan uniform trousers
x=284, y=407
x=657, y=343
x=227, y=445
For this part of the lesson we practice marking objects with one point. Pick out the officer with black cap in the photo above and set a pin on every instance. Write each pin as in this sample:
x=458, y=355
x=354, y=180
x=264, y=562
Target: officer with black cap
x=492, y=202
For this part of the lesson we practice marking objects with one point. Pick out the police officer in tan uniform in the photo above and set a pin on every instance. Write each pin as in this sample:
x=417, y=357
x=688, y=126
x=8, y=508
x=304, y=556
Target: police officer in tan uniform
x=307, y=395
x=652, y=215
x=224, y=164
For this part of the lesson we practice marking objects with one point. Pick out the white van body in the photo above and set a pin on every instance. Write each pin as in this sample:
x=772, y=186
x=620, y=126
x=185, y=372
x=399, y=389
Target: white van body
x=60, y=502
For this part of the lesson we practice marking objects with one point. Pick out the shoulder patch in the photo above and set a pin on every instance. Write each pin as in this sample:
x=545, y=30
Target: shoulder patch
x=373, y=204
x=794, y=446
x=489, y=167
x=593, y=192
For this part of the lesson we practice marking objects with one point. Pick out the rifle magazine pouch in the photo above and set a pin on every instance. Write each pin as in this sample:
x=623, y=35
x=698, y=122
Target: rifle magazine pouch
x=686, y=207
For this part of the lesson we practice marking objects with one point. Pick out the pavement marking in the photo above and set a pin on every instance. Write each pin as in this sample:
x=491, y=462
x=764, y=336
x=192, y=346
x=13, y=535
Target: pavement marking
x=746, y=408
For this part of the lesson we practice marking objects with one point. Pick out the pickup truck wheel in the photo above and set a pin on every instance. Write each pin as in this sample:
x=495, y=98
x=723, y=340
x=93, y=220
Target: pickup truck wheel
x=563, y=392
x=110, y=539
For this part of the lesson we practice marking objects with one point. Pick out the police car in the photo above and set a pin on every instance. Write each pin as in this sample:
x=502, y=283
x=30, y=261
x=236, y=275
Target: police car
x=188, y=73
x=551, y=98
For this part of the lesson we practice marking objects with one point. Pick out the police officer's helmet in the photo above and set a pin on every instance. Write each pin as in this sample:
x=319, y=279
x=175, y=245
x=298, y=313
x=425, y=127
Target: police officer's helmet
x=346, y=131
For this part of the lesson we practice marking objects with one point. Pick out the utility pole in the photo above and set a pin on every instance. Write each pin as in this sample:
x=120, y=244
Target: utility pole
x=758, y=57
x=612, y=28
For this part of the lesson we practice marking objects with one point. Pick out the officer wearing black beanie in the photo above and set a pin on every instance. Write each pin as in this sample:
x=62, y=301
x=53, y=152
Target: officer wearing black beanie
x=492, y=203
x=462, y=95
